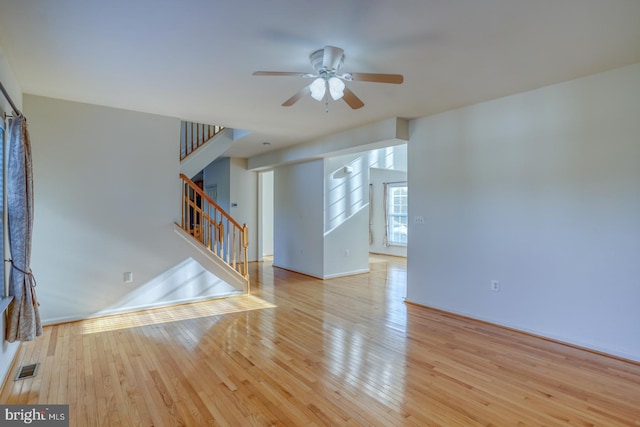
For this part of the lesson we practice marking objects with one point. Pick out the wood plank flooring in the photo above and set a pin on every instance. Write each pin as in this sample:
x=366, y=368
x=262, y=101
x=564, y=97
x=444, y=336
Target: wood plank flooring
x=306, y=352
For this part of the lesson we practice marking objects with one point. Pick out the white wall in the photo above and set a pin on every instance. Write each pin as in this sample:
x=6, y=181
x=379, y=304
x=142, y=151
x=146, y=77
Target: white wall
x=346, y=215
x=237, y=194
x=392, y=158
x=7, y=350
x=298, y=217
x=540, y=191
x=345, y=210
x=357, y=140
x=218, y=173
x=265, y=214
x=106, y=194
x=244, y=201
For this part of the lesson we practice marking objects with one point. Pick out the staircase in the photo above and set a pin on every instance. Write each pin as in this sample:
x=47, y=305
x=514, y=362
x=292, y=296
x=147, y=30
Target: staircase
x=194, y=136
x=203, y=222
x=201, y=144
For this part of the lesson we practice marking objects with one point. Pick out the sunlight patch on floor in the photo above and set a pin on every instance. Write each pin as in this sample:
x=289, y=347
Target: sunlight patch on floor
x=216, y=307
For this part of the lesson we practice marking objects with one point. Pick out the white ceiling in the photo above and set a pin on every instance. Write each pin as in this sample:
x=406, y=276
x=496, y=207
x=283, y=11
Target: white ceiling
x=194, y=59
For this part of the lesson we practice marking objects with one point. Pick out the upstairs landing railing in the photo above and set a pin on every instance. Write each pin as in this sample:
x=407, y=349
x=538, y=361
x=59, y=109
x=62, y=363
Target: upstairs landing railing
x=194, y=136
x=214, y=228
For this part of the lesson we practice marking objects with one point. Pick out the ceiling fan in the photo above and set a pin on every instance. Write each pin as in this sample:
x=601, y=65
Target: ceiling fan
x=328, y=82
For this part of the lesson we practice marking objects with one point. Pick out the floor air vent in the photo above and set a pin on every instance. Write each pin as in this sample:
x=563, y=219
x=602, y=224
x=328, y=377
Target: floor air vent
x=27, y=371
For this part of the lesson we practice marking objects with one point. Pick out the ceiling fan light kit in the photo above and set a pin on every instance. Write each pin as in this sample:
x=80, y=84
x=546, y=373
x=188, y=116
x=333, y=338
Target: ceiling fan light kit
x=336, y=88
x=327, y=62
x=318, y=88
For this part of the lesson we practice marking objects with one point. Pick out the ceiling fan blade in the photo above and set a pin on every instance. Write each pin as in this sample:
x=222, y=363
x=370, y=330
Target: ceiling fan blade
x=282, y=73
x=373, y=77
x=332, y=57
x=351, y=99
x=295, y=98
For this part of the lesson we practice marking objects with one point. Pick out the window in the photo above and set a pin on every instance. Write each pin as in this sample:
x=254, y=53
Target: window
x=397, y=210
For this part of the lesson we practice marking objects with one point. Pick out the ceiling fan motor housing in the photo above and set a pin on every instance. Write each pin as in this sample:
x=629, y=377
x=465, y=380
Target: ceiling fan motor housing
x=327, y=60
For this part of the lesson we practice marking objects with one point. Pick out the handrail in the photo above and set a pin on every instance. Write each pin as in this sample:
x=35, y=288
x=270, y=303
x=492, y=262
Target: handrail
x=194, y=136
x=214, y=228
x=204, y=195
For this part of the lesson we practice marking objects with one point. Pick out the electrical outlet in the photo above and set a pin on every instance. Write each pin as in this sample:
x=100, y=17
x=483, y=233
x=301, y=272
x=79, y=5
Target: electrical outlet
x=419, y=219
x=495, y=285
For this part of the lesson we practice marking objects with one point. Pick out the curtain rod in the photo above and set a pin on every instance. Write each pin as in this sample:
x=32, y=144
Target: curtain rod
x=6, y=95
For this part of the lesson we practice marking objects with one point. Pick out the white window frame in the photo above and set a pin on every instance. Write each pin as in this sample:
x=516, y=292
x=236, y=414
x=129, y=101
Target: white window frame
x=396, y=213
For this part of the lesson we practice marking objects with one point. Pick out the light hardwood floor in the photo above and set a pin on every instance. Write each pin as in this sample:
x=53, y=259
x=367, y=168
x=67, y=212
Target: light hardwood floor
x=306, y=352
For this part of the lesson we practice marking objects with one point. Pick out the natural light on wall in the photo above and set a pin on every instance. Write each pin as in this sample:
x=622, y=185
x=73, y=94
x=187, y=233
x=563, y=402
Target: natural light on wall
x=382, y=158
x=346, y=193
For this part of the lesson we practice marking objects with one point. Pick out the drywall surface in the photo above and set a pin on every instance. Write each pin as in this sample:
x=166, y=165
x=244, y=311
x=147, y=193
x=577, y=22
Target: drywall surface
x=265, y=216
x=538, y=191
x=298, y=217
x=244, y=201
x=346, y=214
x=107, y=192
x=216, y=179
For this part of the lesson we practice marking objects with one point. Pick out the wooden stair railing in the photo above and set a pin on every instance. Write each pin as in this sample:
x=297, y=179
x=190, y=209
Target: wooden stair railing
x=194, y=136
x=214, y=228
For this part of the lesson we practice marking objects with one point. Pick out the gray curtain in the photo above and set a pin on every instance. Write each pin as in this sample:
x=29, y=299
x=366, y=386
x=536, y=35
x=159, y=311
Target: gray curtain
x=23, y=323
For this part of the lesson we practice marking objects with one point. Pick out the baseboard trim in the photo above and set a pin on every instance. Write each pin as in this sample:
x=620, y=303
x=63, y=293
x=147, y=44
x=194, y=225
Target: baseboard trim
x=330, y=276
x=526, y=333
x=349, y=273
x=297, y=272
